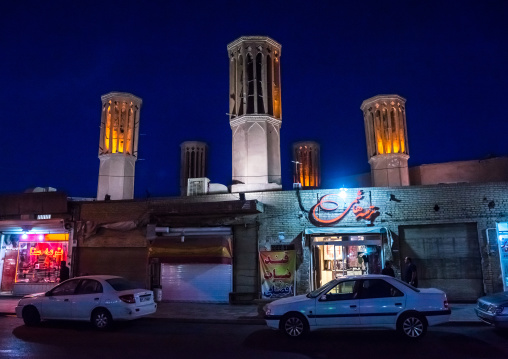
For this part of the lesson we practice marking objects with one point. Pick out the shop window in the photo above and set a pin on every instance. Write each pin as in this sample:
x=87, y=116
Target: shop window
x=40, y=262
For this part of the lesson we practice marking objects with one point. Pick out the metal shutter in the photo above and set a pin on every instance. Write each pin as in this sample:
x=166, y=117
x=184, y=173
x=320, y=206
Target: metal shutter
x=210, y=283
x=447, y=256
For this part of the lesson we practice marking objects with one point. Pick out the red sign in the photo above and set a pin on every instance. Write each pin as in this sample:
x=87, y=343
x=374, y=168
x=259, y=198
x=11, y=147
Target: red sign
x=328, y=205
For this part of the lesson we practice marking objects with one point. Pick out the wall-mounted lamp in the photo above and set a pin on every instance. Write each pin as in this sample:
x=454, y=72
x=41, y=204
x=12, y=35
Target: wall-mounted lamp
x=436, y=208
x=491, y=204
x=342, y=193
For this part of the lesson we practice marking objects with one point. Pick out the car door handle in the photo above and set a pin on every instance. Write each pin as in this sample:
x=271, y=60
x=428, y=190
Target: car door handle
x=96, y=299
x=352, y=306
x=398, y=303
x=66, y=300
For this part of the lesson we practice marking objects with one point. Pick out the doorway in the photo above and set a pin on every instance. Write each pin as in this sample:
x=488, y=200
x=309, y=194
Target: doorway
x=339, y=256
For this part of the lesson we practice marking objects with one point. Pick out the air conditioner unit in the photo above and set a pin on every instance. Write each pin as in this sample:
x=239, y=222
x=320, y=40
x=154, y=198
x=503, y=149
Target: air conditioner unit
x=197, y=186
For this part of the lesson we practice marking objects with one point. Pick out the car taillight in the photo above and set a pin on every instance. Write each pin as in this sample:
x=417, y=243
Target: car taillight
x=128, y=298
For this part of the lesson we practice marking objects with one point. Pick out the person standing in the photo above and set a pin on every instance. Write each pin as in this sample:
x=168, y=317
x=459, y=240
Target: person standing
x=410, y=273
x=388, y=270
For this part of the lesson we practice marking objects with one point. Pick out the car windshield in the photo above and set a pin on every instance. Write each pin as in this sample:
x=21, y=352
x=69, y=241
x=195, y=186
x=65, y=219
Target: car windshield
x=120, y=284
x=321, y=289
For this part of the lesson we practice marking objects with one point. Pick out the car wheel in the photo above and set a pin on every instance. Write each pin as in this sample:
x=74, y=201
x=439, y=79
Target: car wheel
x=31, y=316
x=412, y=325
x=294, y=325
x=101, y=319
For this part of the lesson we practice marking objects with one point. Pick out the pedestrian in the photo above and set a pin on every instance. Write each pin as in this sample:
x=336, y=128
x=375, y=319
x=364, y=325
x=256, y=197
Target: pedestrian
x=64, y=271
x=410, y=273
x=388, y=270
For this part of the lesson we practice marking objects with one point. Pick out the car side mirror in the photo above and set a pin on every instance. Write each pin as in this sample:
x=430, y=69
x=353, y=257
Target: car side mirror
x=323, y=298
x=48, y=294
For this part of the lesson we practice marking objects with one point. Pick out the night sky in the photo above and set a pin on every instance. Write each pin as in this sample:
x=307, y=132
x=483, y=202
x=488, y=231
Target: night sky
x=449, y=59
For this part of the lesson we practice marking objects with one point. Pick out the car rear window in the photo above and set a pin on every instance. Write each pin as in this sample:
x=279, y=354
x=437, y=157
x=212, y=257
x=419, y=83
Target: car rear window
x=120, y=284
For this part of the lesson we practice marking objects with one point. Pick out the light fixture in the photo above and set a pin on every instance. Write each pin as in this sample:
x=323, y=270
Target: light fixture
x=24, y=235
x=342, y=193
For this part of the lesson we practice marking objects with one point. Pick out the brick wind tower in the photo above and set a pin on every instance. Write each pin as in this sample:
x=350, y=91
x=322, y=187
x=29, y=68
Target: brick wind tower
x=386, y=132
x=118, y=146
x=255, y=113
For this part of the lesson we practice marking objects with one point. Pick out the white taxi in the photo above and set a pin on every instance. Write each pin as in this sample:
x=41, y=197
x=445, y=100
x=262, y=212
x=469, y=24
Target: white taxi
x=369, y=301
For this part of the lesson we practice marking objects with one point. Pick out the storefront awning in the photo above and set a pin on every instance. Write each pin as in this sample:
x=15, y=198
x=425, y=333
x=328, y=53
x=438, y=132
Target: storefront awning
x=345, y=230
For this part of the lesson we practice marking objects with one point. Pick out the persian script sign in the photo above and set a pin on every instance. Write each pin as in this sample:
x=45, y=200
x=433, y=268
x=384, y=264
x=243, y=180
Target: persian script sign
x=321, y=212
x=278, y=269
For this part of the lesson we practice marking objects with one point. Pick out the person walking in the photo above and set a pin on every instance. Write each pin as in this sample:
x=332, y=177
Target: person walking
x=410, y=273
x=388, y=270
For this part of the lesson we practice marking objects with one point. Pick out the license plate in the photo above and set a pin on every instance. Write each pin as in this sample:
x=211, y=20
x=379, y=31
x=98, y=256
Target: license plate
x=145, y=298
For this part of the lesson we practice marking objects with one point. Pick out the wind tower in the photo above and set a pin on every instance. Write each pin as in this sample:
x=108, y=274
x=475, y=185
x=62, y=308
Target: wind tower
x=255, y=113
x=193, y=162
x=387, y=146
x=306, y=164
x=118, y=146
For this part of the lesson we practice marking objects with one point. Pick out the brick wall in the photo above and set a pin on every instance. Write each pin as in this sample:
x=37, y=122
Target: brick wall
x=287, y=211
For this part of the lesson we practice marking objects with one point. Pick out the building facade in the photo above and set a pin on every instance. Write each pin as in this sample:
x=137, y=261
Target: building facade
x=450, y=236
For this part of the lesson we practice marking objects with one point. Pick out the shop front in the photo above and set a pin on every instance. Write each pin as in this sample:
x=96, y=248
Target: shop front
x=193, y=264
x=502, y=235
x=338, y=252
x=34, y=260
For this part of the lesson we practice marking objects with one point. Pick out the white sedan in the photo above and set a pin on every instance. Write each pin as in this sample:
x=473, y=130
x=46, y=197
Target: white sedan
x=99, y=299
x=369, y=301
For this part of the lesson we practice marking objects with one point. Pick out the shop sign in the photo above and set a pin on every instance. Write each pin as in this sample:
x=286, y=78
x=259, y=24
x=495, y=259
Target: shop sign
x=321, y=212
x=278, y=269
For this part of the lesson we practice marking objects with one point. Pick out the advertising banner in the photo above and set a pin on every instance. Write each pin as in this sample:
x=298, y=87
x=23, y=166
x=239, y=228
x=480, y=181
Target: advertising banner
x=278, y=273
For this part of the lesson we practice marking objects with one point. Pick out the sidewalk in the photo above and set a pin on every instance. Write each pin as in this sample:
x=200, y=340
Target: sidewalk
x=462, y=314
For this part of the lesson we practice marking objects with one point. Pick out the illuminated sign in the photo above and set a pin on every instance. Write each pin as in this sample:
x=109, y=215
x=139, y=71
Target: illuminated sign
x=48, y=252
x=328, y=205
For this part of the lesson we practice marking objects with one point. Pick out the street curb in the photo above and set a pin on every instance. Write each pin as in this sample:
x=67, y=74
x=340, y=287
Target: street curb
x=258, y=321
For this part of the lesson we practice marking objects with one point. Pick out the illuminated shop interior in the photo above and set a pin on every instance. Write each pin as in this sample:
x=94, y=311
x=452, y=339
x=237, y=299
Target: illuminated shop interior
x=40, y=257
x=338, y=256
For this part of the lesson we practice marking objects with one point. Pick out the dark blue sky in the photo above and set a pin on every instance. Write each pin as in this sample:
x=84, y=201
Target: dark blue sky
x=449, y=59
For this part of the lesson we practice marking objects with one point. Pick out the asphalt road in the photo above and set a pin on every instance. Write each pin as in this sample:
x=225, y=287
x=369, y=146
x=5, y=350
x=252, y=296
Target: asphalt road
x=155, y=338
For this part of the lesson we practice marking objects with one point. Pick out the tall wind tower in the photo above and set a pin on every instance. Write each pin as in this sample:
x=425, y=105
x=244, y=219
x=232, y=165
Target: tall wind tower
x=118, y=146
x=255, y=113
x=386, y=132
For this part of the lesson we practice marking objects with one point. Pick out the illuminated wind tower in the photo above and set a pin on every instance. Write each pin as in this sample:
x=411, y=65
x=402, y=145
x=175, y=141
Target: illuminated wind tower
x=387, y=147
x=306, y=164
x=118, y=146
x=255, y=113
